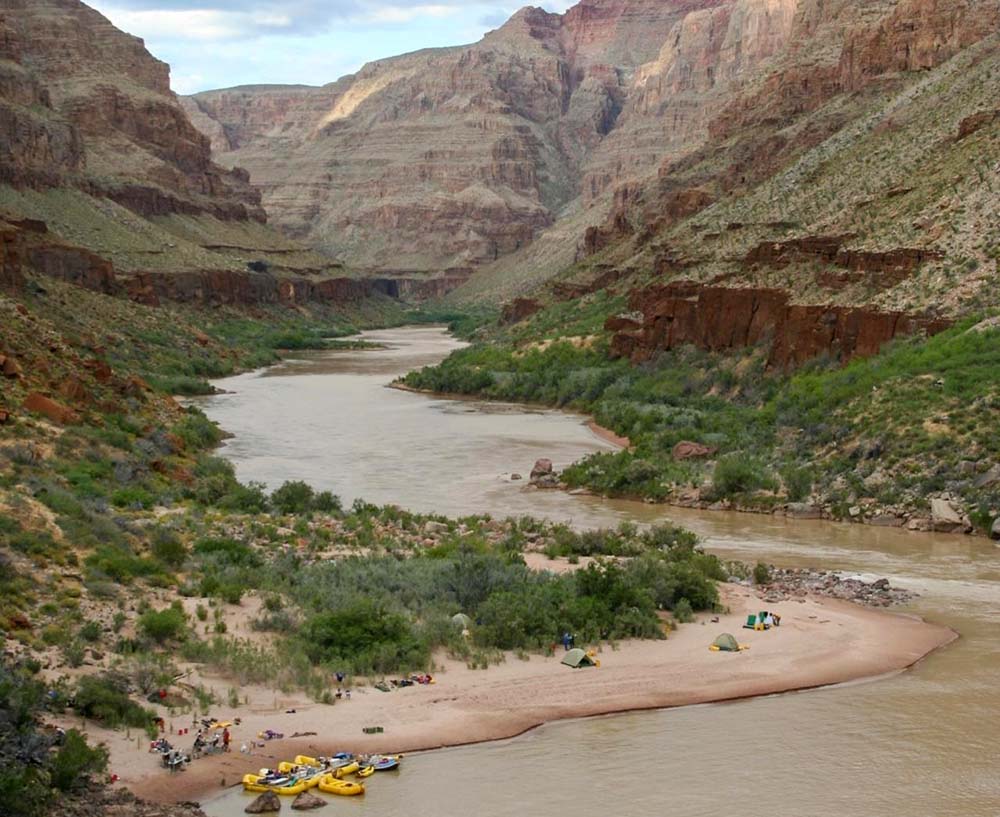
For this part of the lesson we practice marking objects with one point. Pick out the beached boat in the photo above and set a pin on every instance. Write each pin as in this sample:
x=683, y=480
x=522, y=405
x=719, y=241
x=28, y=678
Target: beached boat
x=345, y=788
x=384, y=763
x=365, y=771
x=286, y=783
x=350, y=767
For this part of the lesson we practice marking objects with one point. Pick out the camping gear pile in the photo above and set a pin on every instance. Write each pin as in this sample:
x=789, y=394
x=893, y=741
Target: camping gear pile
x=325, y=773
x=759, y=622
x=762, y=621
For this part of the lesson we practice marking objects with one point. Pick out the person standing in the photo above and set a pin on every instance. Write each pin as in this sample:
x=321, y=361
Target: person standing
x=226, y=738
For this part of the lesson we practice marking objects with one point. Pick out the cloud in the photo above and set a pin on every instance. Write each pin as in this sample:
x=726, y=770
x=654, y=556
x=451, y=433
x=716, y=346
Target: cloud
x=220, y=43
x=217, y=20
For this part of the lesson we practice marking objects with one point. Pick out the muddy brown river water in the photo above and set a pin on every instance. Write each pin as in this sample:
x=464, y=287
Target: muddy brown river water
x=925, y=743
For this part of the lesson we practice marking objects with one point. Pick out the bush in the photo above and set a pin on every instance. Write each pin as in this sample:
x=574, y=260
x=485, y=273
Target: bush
x=105, y=698
x=197, y=431
x=326, y=502
x=761, y=574
x=75, y=762
x=168, y=548
x=228, y=552
x=365, y=637
x=120, y=565
x=90, y=632
x=135, y=498
x=683, y=612
x=250, y=498
x=293, y=497
x=740, y=474
x=162, y=626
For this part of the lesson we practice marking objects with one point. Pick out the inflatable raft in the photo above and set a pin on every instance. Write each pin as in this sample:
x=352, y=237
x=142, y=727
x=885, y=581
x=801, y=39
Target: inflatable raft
x=331, y=785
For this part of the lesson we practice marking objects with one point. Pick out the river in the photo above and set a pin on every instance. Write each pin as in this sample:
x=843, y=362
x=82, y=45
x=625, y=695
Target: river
x=922, y=743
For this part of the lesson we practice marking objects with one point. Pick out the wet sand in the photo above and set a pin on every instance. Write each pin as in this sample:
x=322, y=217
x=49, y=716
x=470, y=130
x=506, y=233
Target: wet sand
x=821, y=642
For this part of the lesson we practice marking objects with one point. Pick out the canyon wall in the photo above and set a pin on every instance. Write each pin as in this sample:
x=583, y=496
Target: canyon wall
x=85, y=105
x=720, y=319
x=455, y=157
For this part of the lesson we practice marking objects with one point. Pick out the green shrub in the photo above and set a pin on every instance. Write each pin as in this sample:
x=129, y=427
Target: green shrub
x=740, y=474
x=75, y=762
x=197, y=431
x=134, y=497
x=90, y=632
x=105, y=698
x=250, y=498
x=326, y=502
x=120, y=564
x=365, y=637
x=167, y=547
x=293, y=497
x=228, y=552
x=761, y=574
x=683, y=612
x=162, y=626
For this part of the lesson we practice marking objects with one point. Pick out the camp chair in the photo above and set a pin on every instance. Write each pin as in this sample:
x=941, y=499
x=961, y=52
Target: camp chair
x=751, y=622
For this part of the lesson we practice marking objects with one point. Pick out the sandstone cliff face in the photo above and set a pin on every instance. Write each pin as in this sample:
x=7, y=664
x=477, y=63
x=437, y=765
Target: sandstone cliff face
x=452, y=158
x=82, y=104
x=719, y=319
x=651, y=110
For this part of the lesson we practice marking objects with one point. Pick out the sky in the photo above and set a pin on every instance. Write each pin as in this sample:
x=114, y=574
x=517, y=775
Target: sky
x=221, y=43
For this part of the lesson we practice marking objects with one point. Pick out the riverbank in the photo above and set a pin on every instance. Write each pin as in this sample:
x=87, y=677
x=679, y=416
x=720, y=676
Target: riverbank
x=821, y=642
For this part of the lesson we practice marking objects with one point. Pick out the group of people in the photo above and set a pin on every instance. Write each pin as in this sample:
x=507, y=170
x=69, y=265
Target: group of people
x=219, y=742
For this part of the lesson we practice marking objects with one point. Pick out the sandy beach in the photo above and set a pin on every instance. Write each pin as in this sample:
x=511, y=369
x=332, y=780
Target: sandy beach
x=820, y=642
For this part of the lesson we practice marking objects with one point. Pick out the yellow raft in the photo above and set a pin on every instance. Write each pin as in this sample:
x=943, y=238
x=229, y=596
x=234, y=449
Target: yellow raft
x=342, y=771
x=294, y=785
x=331, y=785
x=365, y=771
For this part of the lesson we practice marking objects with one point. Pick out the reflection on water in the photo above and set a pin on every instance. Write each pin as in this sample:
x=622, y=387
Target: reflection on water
x=920, y=744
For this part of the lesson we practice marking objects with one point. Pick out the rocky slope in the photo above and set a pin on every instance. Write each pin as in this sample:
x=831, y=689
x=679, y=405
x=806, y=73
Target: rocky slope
x=571, y=144
x=105, y=182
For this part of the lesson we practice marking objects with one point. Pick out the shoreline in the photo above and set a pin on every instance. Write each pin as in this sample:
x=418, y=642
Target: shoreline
x=822, y=642
x=784, y=510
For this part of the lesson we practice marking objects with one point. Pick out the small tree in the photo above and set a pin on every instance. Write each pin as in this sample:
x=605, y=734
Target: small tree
x=293, y=497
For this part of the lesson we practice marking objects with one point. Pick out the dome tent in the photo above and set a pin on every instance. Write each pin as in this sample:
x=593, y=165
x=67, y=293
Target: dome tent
x=578, y=658
x=726, y=643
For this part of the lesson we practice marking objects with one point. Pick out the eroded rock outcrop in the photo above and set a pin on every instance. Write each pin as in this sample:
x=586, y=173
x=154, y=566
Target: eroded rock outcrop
x=718, y=319
x=84, y=105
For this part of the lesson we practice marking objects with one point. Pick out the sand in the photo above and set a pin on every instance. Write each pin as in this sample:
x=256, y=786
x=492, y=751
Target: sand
x=820, y=642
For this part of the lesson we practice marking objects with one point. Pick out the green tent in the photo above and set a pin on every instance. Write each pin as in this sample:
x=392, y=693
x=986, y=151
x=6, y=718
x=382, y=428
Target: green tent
x=726, y=643
x=578, y=658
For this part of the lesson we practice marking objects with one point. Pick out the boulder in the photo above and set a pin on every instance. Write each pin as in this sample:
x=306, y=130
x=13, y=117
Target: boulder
x=267, y=803
x=4, y=416
x=990, y=478
x=691, y=451
x=11, y=368
x=946, y=519
x=307, y=802
x=995, y=530
x=40, y=404
x=803, y=510
x=542, y=468
x=73, y=390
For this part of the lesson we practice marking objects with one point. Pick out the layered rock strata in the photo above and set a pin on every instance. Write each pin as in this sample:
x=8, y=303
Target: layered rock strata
x=718, y=319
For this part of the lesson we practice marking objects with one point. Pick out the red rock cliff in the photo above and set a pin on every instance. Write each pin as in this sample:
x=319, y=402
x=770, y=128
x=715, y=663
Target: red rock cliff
x=719, y=319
